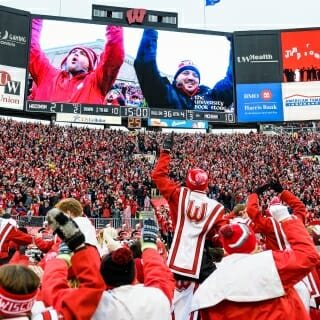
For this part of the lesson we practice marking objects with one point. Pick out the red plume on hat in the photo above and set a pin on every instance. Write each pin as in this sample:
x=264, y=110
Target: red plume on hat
x=238, y=238
x=90, y=53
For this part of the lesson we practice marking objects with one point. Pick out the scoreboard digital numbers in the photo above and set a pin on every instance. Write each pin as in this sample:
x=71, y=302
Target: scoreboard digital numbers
x=132, y=113
x=134, y=123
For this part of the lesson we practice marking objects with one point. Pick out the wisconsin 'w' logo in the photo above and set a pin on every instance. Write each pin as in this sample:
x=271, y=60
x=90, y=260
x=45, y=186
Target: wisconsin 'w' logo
x=196, y=213
x=136, y=15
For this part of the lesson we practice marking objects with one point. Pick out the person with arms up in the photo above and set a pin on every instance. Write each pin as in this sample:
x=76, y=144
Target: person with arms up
x=237, y=289
x=71, y=303
x=84, y=77
x=185, y=92
x=124, y=298
x=275, y=239
x=74, y=209
x=196, y=219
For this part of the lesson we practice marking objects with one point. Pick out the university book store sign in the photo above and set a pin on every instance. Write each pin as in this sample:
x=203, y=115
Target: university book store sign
x=14, y=42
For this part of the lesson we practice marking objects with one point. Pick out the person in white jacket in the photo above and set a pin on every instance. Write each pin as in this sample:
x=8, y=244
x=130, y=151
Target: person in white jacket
x=73, y=208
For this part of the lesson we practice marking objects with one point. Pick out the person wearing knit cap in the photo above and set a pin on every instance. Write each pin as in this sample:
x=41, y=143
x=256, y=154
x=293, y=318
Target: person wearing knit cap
x=186, y=91
x=250, y=284
x=92, y=76
x=124, y=298
x=195, y=219
x=18, y=290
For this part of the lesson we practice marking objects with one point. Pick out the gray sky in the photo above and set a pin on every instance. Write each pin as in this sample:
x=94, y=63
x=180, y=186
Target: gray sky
x=227, y=15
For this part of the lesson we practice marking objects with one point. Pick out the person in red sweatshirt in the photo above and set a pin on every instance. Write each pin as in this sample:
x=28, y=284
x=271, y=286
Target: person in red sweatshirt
x=83, y=77
x=107, y=288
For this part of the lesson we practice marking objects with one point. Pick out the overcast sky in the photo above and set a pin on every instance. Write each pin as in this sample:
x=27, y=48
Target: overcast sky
x=227, y=15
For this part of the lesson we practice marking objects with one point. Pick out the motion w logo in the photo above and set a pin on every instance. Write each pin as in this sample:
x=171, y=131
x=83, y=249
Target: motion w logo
x=136, y=15
x=10, y=86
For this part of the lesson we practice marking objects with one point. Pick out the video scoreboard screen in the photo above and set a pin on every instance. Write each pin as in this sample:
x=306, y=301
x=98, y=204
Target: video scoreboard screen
x=192, y=71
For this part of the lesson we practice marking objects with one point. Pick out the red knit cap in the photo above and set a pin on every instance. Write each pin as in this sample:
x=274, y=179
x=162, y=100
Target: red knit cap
x=91, y=55
x=238, y=238
x=187, y=65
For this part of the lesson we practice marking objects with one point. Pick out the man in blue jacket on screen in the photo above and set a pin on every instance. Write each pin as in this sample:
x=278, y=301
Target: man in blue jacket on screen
x=185, y=92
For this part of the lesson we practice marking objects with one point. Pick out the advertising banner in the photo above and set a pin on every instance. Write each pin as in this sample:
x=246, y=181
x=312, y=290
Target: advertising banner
x=14, y=47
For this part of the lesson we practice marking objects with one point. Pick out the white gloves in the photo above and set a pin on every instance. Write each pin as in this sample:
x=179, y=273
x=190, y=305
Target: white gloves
x=279, y=212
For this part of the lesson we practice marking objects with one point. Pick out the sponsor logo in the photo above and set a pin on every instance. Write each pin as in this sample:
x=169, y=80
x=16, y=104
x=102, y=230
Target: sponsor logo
x=266, y=95
x=136, y=16
x=298, y=100
x=10, y=86
x=10, y=39
x=257, y=58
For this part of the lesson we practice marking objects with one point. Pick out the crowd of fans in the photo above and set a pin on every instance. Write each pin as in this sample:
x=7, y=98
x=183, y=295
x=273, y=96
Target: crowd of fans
x=69, y=174
x=40, y=164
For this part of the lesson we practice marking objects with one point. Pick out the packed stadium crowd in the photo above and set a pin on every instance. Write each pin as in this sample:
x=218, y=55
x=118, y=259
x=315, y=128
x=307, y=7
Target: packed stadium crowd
x=109, y=168
x=225, y=184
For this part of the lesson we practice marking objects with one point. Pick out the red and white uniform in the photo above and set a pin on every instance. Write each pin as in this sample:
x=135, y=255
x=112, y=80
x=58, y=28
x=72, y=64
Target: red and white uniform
x=10, y=233
x=309, y=288
x=195, y=217
x=238, y=290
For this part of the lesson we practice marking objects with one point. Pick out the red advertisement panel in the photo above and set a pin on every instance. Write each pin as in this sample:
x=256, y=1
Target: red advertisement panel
x=301, y=55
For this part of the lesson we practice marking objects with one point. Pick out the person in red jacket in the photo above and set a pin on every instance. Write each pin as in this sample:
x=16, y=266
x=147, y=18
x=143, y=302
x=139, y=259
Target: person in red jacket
x=9, y=233
x=258, y=285
x=22, y=297
x=83, y=78
x=108, y=288
x=124, y=298
x=195, y=219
